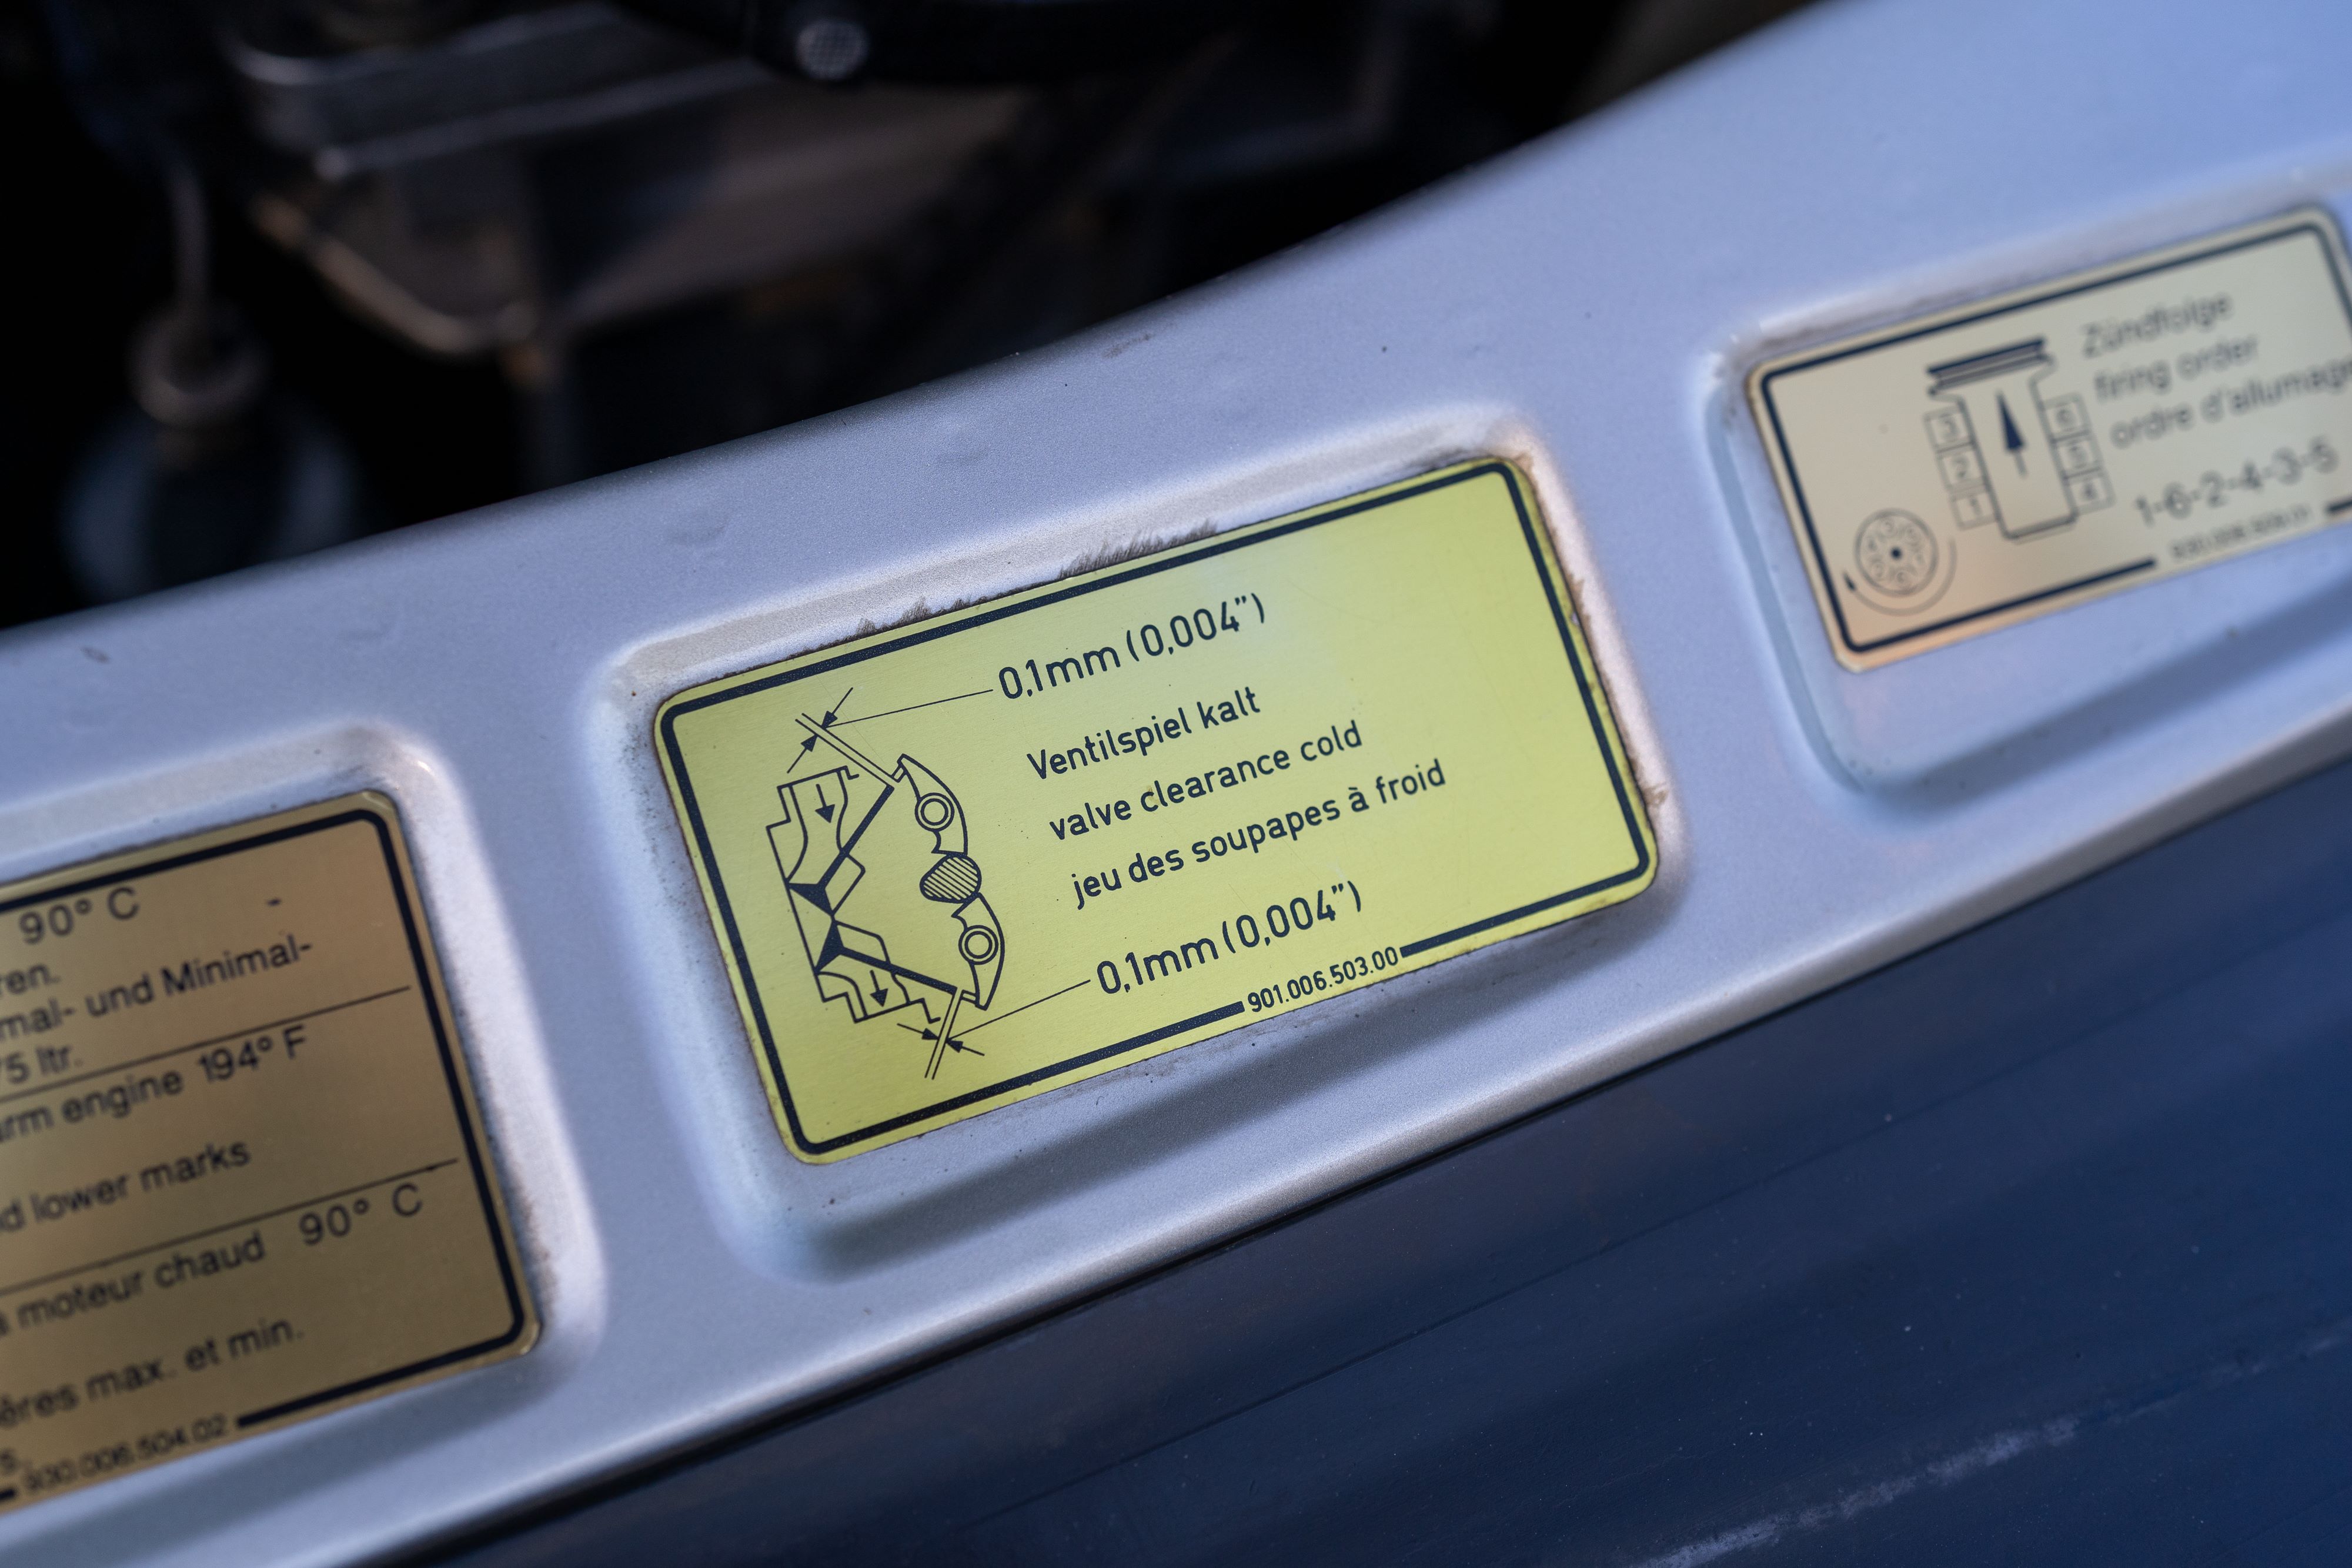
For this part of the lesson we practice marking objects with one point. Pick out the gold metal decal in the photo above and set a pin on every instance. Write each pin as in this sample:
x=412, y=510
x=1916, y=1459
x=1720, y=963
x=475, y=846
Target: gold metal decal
x=242, y=1179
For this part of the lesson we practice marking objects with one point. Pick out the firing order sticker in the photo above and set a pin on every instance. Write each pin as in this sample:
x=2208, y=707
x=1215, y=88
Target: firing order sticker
x=962, y=863
x=1972, y=469
x=241, y=1179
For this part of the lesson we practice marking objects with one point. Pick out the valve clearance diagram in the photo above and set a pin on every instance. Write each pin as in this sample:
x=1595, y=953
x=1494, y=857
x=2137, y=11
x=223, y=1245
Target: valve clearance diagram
x=1958, y=473
x=888, y=848
x=960, y=862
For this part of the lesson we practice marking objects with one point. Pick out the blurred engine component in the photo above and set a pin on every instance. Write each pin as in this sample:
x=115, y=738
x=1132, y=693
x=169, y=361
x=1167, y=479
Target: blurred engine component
x=670, y=226
x=545, y=172
x=949, y=40
x=530, y=179
x=212, y=469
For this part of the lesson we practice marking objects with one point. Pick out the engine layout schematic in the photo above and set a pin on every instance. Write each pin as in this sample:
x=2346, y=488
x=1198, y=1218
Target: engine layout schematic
x=2069, y=440
x=2058, y=476
x=1001, y=850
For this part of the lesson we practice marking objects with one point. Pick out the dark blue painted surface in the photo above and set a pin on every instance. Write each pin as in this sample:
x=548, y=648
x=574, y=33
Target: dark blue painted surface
x=2036, y=1248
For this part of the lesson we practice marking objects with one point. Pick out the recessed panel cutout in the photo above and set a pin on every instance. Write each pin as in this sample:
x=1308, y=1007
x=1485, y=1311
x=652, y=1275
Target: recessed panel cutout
x=1950, y=477
x=242, y=1179
x=1011, y=847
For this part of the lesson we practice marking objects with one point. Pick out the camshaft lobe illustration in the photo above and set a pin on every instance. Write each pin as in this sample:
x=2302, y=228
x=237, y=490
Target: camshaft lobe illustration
x=887, y=895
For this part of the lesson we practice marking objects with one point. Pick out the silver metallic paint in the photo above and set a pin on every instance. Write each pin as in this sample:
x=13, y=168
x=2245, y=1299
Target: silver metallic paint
x=1586, y=306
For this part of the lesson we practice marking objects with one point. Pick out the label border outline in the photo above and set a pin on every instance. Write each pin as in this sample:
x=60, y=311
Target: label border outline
x=693, y=700
x=2312, y=219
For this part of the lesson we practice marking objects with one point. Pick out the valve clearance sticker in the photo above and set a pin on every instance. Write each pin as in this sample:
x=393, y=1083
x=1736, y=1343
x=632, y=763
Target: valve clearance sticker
x=1964, y=472
x=1015, y=846
x=240, y=1177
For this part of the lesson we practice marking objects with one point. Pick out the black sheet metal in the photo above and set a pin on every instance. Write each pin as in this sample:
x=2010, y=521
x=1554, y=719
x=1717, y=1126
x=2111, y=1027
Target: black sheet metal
x=2034, y=1247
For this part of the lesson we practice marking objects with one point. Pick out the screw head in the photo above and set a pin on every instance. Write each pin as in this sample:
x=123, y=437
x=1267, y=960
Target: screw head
x=830, y=48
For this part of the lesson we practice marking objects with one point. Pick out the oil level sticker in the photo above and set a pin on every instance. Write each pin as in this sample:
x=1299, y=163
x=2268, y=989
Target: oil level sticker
x=240, y=1178
x=1954, y=475
x=1013, y=846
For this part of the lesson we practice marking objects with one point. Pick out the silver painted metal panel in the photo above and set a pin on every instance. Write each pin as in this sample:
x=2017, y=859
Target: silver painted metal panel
x=1586, y=307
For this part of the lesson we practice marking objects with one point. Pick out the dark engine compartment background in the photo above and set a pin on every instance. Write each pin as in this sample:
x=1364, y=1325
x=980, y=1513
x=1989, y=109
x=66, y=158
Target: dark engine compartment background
x=615, y=242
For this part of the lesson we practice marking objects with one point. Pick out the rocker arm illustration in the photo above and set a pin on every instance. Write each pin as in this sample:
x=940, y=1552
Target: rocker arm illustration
x=886, y=895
